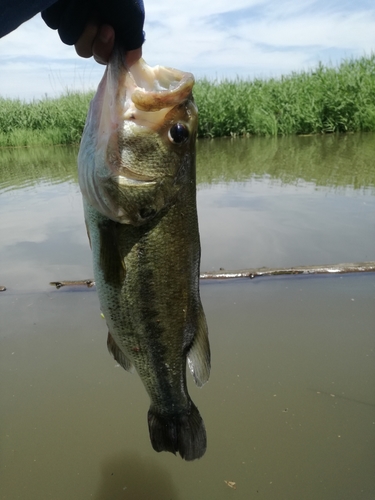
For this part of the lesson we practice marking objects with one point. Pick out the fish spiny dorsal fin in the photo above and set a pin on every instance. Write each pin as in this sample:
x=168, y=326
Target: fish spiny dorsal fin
x=199, y=357
x=118, y=354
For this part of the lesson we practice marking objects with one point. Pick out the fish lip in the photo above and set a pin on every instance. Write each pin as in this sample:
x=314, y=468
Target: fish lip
x=172, y=86
x=155, y=100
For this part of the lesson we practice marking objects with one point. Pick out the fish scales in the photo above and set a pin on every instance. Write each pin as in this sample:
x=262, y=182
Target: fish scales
x=137, y=177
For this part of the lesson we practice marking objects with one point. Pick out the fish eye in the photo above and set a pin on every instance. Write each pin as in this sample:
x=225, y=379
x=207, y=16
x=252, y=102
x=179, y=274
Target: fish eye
x=178, y=133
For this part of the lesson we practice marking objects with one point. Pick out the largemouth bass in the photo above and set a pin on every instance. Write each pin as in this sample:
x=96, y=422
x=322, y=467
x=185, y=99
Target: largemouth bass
x=137, y=177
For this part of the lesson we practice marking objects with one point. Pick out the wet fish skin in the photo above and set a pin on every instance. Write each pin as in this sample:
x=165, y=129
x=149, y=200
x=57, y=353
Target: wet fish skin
x=139, y=197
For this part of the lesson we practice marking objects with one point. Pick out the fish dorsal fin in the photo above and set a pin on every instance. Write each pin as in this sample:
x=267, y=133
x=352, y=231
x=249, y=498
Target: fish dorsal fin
x=118, y=354
x=199, y=357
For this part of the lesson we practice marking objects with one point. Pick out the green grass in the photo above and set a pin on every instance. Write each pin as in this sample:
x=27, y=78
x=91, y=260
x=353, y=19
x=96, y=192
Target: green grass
x=324, y=100
x=44, y=122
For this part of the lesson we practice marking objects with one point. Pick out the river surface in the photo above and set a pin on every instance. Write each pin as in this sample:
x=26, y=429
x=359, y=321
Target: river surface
x=290, y=405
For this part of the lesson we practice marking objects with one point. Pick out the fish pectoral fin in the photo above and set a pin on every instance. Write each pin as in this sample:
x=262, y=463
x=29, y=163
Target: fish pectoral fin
x=199, y=357
x=118, y=354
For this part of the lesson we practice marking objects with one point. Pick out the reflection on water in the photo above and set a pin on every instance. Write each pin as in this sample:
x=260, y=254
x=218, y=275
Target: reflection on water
x=262, y=202
x=23, y=167
x=333, y=160
x=290, y=406
x=330, y=160
x=134, y=476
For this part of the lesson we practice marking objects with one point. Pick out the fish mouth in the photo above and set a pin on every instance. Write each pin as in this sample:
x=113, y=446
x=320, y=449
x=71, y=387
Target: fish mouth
x=146, y=94
x=173, y=87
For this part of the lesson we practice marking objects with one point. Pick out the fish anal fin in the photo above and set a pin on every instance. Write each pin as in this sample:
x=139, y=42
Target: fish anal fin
x=199, y=357
x=119, y=356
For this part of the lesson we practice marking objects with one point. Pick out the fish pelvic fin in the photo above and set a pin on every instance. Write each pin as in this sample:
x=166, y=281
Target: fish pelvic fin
x=199, y=356
x=184, y=433
x=118, y=354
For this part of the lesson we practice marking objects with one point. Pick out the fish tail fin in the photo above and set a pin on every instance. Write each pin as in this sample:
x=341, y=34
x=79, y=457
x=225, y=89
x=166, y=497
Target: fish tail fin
x=184, y=433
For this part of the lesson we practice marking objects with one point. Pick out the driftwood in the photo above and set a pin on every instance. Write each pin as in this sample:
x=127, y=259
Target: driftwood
x=267, y=271
x=223, y=274
x=257, y=272
x=59, y=284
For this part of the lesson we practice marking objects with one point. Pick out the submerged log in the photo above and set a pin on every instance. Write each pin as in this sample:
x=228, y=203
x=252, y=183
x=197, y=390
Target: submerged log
x=258, y=272
x=268, y=271
x=59, y=284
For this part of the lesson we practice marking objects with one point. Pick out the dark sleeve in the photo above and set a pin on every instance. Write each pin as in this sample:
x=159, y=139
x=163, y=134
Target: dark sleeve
x=69, y=17
x=15, y=12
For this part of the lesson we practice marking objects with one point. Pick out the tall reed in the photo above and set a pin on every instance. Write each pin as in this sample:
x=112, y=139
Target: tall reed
x=323, y=100
x=43, y=122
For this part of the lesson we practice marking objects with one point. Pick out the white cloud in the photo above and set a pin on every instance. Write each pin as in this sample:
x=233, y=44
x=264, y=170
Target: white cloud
x=214, y=39
x=349, y=32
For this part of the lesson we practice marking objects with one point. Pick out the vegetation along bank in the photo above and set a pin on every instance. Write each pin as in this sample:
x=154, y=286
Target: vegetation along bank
x=323, y=100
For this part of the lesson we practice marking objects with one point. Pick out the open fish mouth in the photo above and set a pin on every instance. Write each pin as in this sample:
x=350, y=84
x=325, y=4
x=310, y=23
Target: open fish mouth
x=145, y=89
x=174, y=87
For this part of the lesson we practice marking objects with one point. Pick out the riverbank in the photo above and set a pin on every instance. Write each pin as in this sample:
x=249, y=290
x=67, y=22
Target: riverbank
x=323, y=100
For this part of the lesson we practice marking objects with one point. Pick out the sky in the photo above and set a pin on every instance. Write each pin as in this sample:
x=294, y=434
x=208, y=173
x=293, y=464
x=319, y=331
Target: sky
x=213, y=39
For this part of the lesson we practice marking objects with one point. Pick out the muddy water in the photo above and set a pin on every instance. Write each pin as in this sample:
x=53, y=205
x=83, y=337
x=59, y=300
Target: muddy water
x=290, y=406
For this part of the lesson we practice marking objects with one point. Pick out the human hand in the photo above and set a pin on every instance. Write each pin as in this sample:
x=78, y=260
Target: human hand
x=92, y=26
x=98, y=41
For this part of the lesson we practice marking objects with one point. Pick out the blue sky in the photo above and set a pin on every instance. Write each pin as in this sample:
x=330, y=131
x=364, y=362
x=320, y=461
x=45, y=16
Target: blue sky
x=247, y=38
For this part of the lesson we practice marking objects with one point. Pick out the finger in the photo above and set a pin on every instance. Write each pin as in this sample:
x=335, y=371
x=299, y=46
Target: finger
x=103, y=44
x=132, y=56
x=85, y=42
